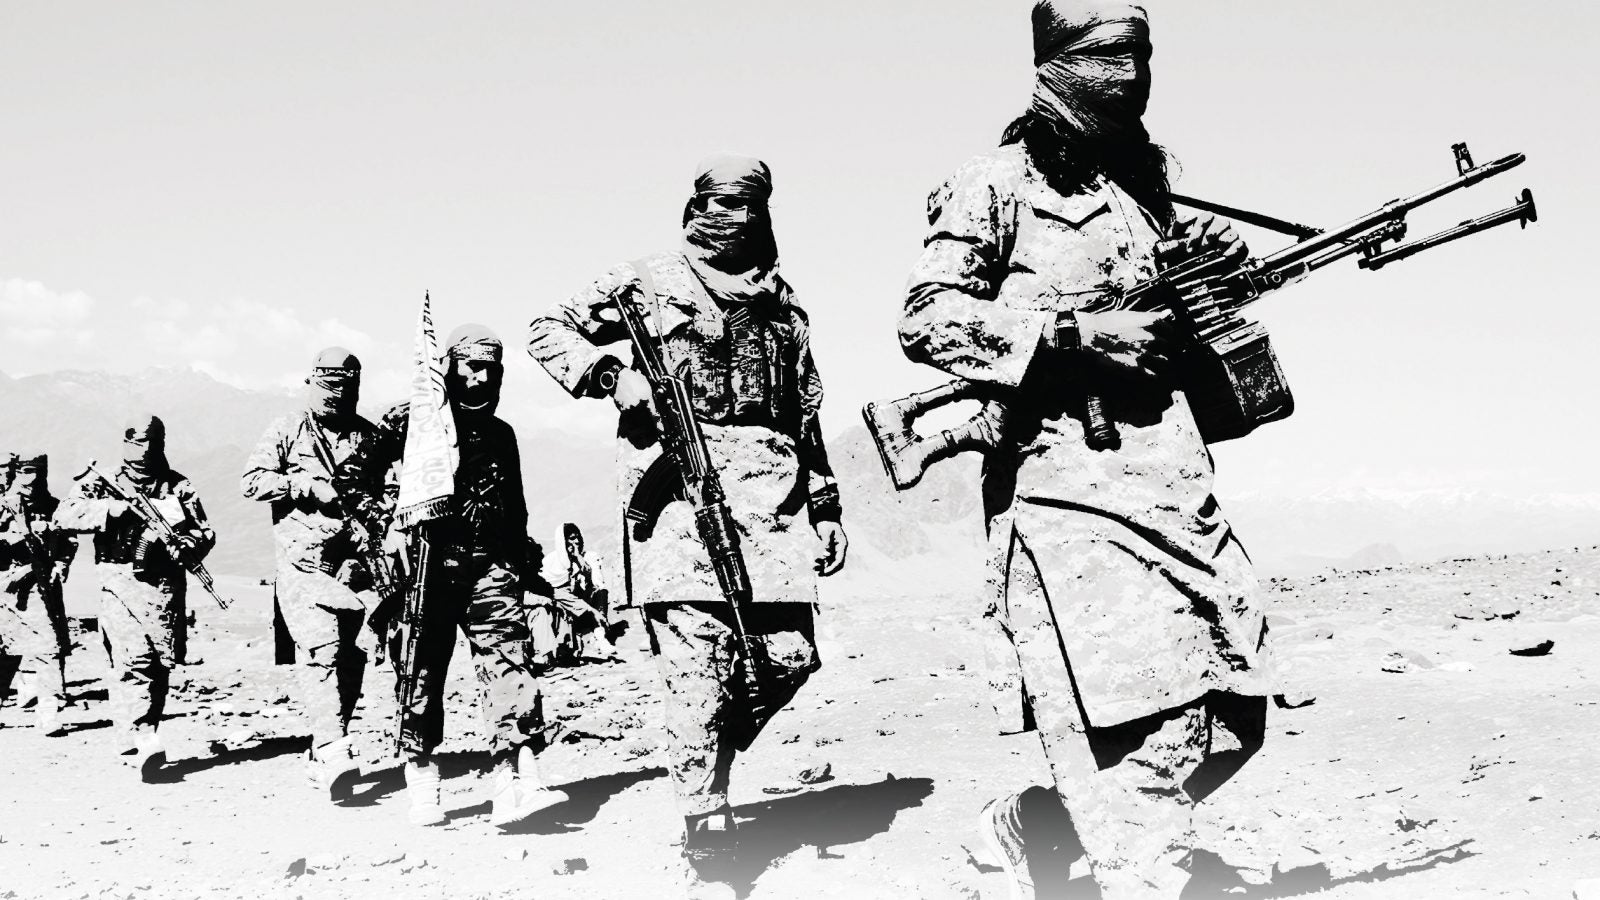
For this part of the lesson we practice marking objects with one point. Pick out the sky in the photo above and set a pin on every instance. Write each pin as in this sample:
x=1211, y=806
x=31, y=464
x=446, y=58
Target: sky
x=235, y=186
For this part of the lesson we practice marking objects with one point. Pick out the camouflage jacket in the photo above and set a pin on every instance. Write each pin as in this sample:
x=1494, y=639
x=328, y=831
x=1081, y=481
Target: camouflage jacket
x=1005, y=253
x=124, y=538
x=313, y=536
x=31, y=545
x=760, y=410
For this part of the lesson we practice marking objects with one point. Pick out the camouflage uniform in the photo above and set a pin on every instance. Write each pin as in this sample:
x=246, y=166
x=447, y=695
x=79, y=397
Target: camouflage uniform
x=1125, y=595
x=475, y=583
x=35, y=557
x=142, y=588
x=760, y=421
x=325, y=588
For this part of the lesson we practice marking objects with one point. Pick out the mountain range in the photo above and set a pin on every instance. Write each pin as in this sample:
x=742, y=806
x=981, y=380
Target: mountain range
x=77, y=415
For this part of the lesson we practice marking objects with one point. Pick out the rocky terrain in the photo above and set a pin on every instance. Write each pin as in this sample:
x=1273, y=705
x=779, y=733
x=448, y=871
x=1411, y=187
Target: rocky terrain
x=1434, y=761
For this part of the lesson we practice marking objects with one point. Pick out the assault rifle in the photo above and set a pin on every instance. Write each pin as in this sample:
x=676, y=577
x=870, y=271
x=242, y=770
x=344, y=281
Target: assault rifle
x=152, y=518
x=1227, y=366
x=684, y=471
x=371, y=552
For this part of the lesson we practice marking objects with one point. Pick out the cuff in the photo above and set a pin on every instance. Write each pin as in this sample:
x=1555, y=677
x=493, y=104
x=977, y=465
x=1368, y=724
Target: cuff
x=825, y=505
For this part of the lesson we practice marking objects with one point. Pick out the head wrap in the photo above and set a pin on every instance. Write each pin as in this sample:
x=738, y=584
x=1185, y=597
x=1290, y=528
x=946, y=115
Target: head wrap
x=474, y=343
x=733, y=251
x=570, y=531
x=1091, y=89
x=144, y=449
x=334, y=387
x=38, y=466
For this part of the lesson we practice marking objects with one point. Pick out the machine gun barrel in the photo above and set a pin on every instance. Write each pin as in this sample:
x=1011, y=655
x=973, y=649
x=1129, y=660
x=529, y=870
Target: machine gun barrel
x=1391, y=211
x=1523, y=211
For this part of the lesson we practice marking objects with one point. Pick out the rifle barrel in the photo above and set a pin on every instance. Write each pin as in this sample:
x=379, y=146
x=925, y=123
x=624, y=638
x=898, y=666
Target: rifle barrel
x=1391, y=211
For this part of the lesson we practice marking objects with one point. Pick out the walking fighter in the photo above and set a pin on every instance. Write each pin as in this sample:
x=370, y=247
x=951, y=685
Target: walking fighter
x=718, y=306
x=319, y=472
x=143, y=584
x=1133, y=613
x=35, y=556
x=477, y=571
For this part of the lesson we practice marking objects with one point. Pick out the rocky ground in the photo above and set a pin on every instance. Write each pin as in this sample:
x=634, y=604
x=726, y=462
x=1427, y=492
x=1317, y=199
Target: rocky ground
x=1433, y=763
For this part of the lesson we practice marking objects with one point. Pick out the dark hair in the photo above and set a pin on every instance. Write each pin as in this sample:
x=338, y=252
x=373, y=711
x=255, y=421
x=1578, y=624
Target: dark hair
x=1070, y=159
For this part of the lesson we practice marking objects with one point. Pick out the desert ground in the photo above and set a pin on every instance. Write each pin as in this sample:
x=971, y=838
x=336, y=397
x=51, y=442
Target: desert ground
x=1433, y=763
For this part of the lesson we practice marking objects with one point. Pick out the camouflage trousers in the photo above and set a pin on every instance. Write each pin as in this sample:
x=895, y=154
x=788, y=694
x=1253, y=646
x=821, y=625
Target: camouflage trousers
x=324, y=617
x=708, y=716
x=33, y=640
x=1129, y=789
x=141, y=620
x=484, y=602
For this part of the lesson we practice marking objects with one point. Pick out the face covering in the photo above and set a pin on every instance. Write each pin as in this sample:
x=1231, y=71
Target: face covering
x=144, y=449
x=334, y=388
x=732, y=251
x=32, y=478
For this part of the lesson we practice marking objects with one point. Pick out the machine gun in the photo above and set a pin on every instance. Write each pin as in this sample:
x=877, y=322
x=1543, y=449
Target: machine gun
x=684, y=471
x=152, y=518
x=1227, y=367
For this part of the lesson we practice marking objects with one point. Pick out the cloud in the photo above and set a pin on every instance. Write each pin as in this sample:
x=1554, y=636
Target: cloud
x=33, y=315
x=239, y=341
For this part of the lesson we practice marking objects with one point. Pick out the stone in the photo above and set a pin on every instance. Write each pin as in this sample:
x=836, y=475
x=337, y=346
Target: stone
x=571, y=866
x=1542, y=648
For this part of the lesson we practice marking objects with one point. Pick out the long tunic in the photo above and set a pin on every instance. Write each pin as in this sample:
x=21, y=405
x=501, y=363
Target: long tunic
x=1153, y=598
x=760, y=421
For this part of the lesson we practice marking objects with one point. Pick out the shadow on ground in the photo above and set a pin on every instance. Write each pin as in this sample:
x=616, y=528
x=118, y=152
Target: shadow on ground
x=825, y=819
x=1215, y=878
x=271, y=748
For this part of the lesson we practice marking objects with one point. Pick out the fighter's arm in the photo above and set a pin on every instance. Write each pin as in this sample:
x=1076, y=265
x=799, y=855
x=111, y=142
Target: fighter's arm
x=823, y=501
x=570, y=338
x=266, y=472
x=951, y=318
x=88, y=506
x=195, y=527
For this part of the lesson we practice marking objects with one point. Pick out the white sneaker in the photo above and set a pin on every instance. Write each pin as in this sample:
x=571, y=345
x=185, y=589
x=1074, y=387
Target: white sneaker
x=49, y=721
x=997, y=825
x=149, y=755
x=422, y=786
x=515, y=799
x=333, y=769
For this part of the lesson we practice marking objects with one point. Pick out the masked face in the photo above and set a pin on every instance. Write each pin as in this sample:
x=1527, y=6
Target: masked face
x=334, y=393
x=144, y=446
x=474, y=384
x=30, y=478
x=734, y=230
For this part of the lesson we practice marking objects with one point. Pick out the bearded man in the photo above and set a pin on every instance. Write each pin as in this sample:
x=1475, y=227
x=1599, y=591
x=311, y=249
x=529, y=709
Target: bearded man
x=35, y=556
x=143, y=583
x=1133, y=613
x=478, y=570
x=319, y=472
x=719, y=306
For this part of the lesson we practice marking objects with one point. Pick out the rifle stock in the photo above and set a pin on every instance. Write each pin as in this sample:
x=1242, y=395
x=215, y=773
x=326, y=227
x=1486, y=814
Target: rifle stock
x=1231, y=375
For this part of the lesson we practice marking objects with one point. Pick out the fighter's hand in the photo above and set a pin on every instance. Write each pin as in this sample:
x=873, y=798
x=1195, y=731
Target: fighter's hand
x=1139, y=343
x=834, y=547
x=1203, y=233
x=395, y=546
x=637, y=421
